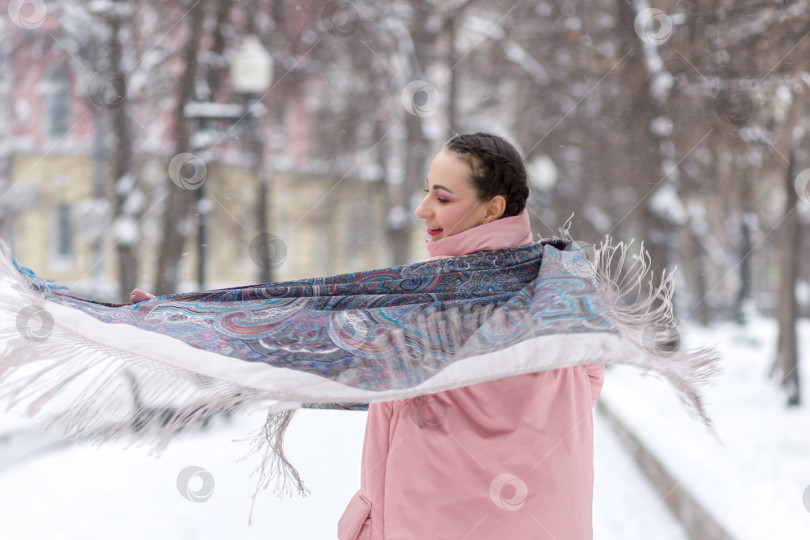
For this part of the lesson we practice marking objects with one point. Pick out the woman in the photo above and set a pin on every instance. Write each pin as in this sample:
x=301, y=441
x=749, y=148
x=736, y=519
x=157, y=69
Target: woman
x=510, y=458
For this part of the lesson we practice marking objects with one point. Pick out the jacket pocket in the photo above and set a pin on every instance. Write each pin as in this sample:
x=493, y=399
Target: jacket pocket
x=355, y=523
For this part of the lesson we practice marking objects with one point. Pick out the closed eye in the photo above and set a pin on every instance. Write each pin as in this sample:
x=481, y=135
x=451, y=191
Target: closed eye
x=441, y=200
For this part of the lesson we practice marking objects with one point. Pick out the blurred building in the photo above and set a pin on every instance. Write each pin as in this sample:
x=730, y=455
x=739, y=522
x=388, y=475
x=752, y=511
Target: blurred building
x=57, y=209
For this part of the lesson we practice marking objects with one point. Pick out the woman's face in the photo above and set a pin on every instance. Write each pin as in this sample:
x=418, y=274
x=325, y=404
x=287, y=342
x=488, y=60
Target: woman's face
x=451, y=205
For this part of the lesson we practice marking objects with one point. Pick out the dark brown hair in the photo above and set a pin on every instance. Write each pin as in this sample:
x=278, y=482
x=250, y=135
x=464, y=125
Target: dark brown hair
x=495, y=168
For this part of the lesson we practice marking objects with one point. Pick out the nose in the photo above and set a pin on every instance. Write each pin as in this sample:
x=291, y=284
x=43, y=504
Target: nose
x=421, y=211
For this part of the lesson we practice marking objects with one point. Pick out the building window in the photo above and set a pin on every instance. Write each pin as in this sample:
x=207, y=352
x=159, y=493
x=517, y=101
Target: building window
x=56, y=96
x=63, y=246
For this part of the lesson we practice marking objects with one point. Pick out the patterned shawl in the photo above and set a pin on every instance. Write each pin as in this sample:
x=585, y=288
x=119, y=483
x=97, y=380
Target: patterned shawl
x=161, y=366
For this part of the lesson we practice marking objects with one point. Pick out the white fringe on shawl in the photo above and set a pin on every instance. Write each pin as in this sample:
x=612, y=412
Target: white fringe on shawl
x=106, y=381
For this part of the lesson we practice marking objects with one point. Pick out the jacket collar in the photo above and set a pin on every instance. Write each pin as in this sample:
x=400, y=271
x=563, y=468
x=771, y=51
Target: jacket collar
x=504, y=233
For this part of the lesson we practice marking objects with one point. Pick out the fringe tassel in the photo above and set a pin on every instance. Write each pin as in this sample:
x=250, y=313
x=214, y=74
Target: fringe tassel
x=102, y=395
x=648, y=322
x=90, y=391
x=269, y=442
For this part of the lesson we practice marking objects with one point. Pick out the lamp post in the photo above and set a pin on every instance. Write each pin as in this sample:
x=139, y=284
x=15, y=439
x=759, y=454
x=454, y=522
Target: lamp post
x=251, y=74
x=200, y=113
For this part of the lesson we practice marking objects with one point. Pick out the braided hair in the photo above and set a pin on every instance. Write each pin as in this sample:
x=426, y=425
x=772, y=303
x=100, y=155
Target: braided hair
x=495, y=168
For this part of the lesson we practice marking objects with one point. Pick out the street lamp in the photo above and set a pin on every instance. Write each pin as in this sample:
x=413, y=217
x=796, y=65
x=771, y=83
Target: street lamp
x=201, y=113
x=251, y=74
x=252, y=68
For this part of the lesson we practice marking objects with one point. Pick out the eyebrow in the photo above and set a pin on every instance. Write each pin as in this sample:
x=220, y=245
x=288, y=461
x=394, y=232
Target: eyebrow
x=439, y=186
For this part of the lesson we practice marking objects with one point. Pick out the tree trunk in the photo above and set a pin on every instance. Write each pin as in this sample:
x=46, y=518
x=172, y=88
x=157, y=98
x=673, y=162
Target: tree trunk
x=218, y=66
x=699, y=271
x=744, y=289
x=7, y=103
x=744, y=268
x=787, y=355
x=452, y=86
x=179, y=199
x=399, y=235
x=399, y=232
x=646, y=150
x=125, y=177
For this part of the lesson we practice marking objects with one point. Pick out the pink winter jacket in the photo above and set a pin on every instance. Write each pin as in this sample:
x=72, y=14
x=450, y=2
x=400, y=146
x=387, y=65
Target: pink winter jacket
x=508, y=459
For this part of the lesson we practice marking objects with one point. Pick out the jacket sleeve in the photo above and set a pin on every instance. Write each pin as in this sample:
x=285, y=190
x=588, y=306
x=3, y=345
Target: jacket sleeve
x=355, y=523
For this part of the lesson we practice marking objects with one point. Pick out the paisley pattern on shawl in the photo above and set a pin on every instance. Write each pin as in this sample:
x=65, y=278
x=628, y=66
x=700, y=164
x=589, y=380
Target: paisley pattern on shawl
x=375, y=329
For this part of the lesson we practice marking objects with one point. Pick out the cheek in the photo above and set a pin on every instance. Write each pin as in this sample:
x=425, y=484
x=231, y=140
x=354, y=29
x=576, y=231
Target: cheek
x=454, y=216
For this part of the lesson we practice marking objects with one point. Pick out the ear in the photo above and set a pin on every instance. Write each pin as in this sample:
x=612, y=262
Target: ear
x=495, y=208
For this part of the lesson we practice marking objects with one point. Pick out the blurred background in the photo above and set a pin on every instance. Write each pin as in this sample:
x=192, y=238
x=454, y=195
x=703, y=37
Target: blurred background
x=187, y=145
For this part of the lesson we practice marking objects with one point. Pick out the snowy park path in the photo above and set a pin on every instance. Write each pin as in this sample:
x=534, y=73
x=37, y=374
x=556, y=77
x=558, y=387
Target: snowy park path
x=752, y=480
x=625, y=505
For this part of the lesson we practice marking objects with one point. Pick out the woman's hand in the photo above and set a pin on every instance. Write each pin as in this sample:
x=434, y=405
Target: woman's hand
x=138, y=295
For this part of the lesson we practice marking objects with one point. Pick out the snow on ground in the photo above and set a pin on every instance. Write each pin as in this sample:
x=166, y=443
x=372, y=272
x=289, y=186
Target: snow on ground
x=625, y=505
x=85, y=492
x=753, y=480
x=88, y=492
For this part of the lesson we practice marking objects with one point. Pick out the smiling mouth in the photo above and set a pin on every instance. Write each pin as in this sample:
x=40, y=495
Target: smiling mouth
x=433, y=230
